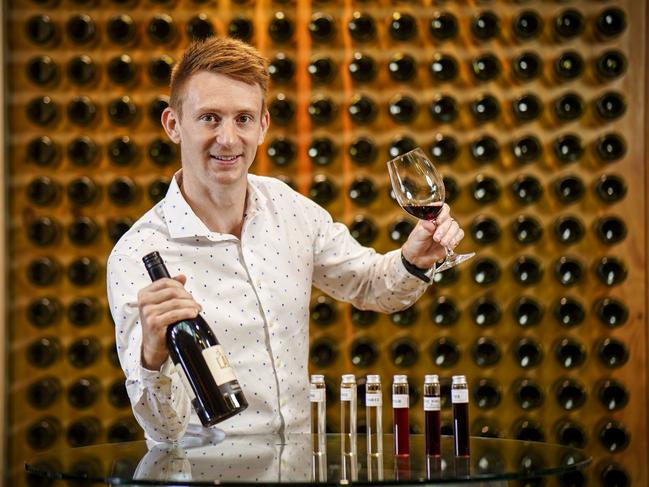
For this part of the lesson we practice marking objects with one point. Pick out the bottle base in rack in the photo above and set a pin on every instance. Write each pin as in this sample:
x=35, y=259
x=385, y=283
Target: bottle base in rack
x=452, y=260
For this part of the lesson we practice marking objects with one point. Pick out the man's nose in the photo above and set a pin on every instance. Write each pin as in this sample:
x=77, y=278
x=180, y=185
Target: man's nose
x=226, y=133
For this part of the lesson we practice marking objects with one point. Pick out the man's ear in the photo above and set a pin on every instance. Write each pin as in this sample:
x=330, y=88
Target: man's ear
x=171, y=124
x=265, y=123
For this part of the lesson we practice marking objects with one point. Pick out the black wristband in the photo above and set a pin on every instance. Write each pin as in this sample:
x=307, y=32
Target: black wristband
x=414, y=270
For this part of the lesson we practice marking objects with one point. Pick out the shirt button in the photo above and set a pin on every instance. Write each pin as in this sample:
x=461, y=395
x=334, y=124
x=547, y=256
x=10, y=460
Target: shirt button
x=258, y=283
x=270, y=324
x=279, y=364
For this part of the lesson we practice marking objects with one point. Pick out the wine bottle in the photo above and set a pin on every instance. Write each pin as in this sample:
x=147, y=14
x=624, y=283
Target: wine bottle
x=121, y=69
x=485, y=271
x=610, y=64
x=526, y=229
x=569, y=312
x=363, y=352
x=81, y=70
x=117, y=394
x=443, y=67
x=485, y=312
x=526, y=149
x=43, y=312
x=122, y=430
x=612, y=394
x=363, y=229
x=280, y=27
x=487, y=428
x=209, y=380
x=568, y=230
x=43, y=271
x=485, y=108
x=610, y=230
x=400, y=230
x=568, y=271
x=570, y=394
x=485, y=26
x=116, y=227
x=44, y=392
x=610, y=105
x=84, y=392
x=485, y=67
x=42, y=191
x=199, y=27
x=121, y=29
x=444, y=353
x=443, y=109
x=158, y=189
x=569, y=353
x=362, y=27
x=527, y=25
x=322, y=151
x=362, y=109
x=362, y=191
x=527, y=312
x=612, y=353
x=442, y=279
x=400, y=146
x=443, y=26
x=362, y=67
x=569, y=107
x=402, y=67
x=161, y=152
x=83, y=231
x=82, y=191
x=43, y=231
x=444, y=150
x=122, y=110
x=485, y=352
x=444, y=311
x=43, y=352
x=41, y=30
x=160, y=69
x=527, y=66
x=322, y=69
x=568, y=65
x=611, y=271
x=322, y=190
x=323, y=352
x=487, y=393
x=281, y=68
x=43, y=433
x=362, y=151
x=527, y=107
x=403, y=109
x=158, y=105
x=527, y=353
x=83, y=432
x=82, y=151
x=122, y=191
x=403, y=26
x=281, y=109
x=613, y=436
x=568, y=24
x=528, y=394
x=527, y=189
x=485, y=189
x=610, y=23
x=83, y=271
x=403, y=353
x=83, y=311
x=614, y=474
x=81, y=29
x=322, y=109
x=321, y=27
x=41, y=110
x=84, y=352
x=406, y=317
x=42, y=70
x=161, y=29
x=568, y=148
x=485, y=230
x=611, y=312
x=485, y=149
x=241, y=28
x=42, y=151
x=570, y=433
x=362, y=317
x=610, y=147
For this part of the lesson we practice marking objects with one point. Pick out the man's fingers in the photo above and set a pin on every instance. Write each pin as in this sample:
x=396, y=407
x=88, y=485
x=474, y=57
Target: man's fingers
x=444, y=214
x=157, y=315
x=442, y=230
x=450, y=235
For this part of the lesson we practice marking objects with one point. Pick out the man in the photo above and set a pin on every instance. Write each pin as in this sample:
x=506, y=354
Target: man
x=245, y=250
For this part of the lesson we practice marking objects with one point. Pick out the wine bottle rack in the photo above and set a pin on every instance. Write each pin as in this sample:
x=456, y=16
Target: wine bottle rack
x=533, y=112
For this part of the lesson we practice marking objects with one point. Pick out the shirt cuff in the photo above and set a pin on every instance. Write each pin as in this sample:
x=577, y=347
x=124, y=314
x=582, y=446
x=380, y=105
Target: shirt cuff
x=157, y=377
x=409, y=282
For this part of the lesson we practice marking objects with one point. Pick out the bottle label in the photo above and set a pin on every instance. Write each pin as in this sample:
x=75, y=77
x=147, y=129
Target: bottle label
x=218, y=363
x=185, y=381
x=317, y=395
x=373, y=399
x=459, y=396
x=432, y=404
x=400, y=401
x=346, y=393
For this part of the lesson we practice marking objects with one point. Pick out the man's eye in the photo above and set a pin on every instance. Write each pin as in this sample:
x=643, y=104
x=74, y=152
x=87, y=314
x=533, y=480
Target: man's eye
x=209, y=118
x=245, y=118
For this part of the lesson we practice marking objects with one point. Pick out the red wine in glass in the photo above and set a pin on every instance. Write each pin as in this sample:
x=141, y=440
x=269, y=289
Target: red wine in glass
x=424, y=212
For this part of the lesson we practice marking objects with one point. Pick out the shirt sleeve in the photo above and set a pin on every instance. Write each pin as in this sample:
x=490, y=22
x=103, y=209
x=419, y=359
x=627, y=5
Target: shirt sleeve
x=160, y=403
x=351, y=272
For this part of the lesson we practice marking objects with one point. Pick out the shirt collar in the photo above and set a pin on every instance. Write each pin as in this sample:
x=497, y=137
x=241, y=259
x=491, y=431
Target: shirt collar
x=182, y=222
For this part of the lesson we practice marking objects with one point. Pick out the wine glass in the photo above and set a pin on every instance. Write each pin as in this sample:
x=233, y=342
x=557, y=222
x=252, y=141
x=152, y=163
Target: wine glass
x=419, y=189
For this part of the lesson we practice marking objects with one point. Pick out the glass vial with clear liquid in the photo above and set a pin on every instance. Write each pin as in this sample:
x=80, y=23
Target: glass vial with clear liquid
x=400, y=410
x=318, y=400
x=374, y=421
x=348, y=414
x=432, y=408
x=460, y=401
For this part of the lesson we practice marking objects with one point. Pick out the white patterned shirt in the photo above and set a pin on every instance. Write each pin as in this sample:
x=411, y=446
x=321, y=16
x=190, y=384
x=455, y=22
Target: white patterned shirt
x=255, y=293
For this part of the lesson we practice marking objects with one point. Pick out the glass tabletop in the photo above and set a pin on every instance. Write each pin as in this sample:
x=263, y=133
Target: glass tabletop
x=302, y=459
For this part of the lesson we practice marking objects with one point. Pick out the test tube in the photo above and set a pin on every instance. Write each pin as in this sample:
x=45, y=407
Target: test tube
x=318, y=399
x=348, y=414
x=432, y=406
x=374, y=420
x=460, y=400
x=400, y=406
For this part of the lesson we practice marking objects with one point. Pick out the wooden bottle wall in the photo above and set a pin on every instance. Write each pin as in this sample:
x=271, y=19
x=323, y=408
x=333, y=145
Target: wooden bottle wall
x=80, y=232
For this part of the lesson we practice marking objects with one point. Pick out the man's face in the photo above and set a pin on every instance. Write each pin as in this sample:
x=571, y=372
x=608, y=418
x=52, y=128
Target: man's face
x=222, y=125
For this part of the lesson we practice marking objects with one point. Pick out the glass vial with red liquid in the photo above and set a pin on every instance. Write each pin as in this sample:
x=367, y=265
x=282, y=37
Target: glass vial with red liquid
x=400, y=409
x=460, y=401
x=432, y=412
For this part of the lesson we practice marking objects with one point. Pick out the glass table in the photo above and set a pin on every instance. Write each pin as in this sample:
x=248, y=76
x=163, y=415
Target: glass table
x=302, y=459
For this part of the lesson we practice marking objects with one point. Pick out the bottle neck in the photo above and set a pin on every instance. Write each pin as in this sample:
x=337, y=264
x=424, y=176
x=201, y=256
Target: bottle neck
x=158, y=271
